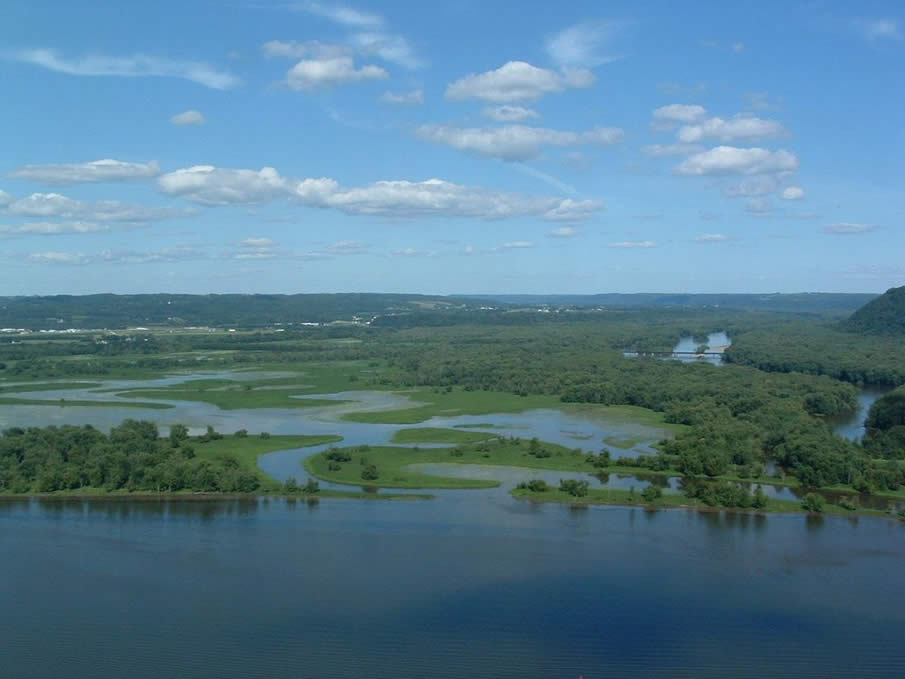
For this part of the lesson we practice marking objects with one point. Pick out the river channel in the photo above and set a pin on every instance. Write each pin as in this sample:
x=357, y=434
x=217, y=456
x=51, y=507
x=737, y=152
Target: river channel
x=470, y=584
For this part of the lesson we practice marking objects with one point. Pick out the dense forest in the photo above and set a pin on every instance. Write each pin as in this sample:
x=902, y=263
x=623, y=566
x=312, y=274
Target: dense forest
x=884, y=315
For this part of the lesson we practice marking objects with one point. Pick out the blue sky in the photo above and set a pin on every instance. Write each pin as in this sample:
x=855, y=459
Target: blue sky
x=458, y=147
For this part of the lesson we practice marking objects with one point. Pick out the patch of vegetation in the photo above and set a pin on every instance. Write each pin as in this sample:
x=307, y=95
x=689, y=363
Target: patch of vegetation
x=438, y=435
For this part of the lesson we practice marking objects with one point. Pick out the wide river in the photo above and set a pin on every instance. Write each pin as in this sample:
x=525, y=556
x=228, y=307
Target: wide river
x=470, y=584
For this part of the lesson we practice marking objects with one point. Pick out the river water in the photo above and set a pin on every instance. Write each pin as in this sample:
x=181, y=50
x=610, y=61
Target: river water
x=470, y=584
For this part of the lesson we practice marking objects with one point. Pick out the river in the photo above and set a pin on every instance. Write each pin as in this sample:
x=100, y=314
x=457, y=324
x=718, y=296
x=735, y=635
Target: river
x=470, y=584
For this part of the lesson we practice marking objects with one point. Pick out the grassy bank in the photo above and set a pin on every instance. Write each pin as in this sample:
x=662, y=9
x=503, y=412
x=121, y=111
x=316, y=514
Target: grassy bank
x=246, y=450
x=621, y=497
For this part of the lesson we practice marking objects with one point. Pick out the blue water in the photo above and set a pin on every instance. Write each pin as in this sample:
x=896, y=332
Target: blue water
x=466, y=588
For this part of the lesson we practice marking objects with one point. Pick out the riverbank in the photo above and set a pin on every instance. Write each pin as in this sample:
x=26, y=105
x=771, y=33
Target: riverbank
x=627, y=498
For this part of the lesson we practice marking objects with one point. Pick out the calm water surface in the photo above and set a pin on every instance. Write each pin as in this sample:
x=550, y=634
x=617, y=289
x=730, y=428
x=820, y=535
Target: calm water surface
x=457, y=587
x=470, y=584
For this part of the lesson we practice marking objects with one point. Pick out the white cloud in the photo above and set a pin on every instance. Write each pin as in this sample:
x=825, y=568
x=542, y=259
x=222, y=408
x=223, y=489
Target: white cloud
x=848, y=229
x=738, y=47
x=879, y=29
x=509, y=114
x=138, y=65
x=5, y=198
x=680, y=113
x=756, y=186
x=580, y=45
x=313, y=73
x=793, y=193
x=642, y=244
x=563, y=232
x=413, y=98
x=190, y=117
x=711, y=238
x=724, y=160
x=341, y=14
x=739, y=127
x=55, y=228
x=659, y=150
x=216, y=186
x=400, y=198
x=517, y=81
x=517, y=245
x=55, y=205
x=106, y=170
x=570, y=210
x=177, y=254
x=514, y=142
x=387, y=46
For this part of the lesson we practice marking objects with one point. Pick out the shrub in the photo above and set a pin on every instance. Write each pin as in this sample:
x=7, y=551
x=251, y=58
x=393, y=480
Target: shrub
x=812, y=502
x=652, y=493
x=370, y=473
x=573, y=487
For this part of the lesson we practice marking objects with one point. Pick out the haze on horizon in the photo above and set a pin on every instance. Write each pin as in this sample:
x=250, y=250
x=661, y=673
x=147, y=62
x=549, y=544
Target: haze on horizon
x=464, y=147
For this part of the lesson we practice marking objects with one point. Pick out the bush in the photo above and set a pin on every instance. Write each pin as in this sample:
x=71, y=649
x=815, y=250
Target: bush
x=573, y=487
x=812, y=502
x=534, y=485
x=652, y=493
x=241, y=434
x=265, y=434
x=370, y=473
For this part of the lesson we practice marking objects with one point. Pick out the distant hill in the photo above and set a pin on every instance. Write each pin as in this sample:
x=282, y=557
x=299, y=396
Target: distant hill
x=884, y=315
x=825, y=303
x=244, y=311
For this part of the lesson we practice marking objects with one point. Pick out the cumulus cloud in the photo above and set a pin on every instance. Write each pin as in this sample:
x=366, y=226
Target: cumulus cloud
x=514, y=142
x=5, y=198
x=517, y=81
x=879, y=29
x=659, y=150
x=216, y=186
x=413, y=98
x=400, y=198
x=793, y=193
x=580, y=45
x=310, y=74
x=848, y=229
x=138, y=65
x=629, y=244
x=727, y=160
x=711, y=238
x=517, y=245
x=680, y=113
x=739, y=127
x=190, y=117
x=107, y=170
x=55, y=205
x=509, y=114
x=563, y=232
